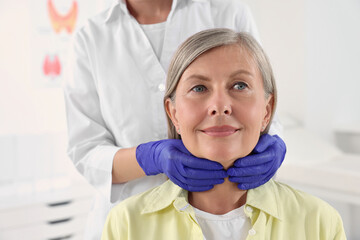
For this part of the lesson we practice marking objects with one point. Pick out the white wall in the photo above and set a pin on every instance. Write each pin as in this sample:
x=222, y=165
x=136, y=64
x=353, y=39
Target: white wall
x=23, y=108
x=333, y=63
x=315, y=51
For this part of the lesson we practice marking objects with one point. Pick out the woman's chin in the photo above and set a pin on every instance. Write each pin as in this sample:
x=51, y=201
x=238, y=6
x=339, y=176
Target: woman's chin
x=225, y=155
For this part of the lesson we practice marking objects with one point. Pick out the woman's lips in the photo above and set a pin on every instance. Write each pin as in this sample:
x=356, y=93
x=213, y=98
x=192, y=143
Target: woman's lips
x=220, y=131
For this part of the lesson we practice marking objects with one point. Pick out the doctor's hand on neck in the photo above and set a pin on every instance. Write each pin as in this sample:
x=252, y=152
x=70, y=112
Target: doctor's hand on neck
x=196, y=175
x=261, y=165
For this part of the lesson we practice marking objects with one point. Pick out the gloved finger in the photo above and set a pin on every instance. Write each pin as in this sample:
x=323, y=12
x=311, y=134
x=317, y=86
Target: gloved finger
x=178, y=182
x=191, y=161
x=199, y=189
x=255, y=159
x=194, y=162
x=196, y=177
x=193, y=173
x=247, y=186
x=250, y=171
x=247, y=179
x=203, y=182
x=264, y=142
x=255, y=179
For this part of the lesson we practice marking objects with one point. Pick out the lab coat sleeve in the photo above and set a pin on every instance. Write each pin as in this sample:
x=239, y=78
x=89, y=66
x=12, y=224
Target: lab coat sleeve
x=91, y=146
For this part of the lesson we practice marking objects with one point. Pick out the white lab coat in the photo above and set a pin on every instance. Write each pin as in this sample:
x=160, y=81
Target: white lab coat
x=115, y=98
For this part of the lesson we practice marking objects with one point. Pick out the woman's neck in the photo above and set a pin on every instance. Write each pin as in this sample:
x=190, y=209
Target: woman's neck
x=221, y=199
x=149, y=11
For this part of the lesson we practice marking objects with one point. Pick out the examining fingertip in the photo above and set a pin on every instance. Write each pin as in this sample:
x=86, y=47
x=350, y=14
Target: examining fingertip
x=242, y=187
x=220, y=167
x=231, y=179
x=210, y=187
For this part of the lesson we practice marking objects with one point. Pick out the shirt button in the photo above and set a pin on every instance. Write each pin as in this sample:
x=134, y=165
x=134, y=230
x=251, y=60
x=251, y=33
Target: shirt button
x=252, y=232
x=161, y=87
x=249, y=209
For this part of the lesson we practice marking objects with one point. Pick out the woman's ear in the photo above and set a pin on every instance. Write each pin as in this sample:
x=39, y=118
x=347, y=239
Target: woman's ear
x=171, y=111
x=268, y=110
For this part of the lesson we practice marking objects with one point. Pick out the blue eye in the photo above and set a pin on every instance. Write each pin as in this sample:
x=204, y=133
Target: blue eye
x=199, y=88
x=240, y=86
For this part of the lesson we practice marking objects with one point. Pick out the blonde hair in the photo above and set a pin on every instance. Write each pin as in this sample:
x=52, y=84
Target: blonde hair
x=206, y=40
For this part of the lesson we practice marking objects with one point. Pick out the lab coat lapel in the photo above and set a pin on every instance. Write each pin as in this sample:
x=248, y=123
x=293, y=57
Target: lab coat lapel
x=186, y=18
x=141, y=51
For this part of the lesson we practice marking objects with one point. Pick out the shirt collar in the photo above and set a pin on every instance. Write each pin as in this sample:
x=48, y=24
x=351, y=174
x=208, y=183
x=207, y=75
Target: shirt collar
x=121, y=5
x=165, y=195
x=114, y=8
x=266, y=198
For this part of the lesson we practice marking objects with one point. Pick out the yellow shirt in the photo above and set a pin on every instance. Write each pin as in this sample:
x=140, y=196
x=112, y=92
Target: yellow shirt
x=276, y=211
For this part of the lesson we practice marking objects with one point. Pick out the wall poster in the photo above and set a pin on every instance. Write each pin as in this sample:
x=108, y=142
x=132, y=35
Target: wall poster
x=54, y=23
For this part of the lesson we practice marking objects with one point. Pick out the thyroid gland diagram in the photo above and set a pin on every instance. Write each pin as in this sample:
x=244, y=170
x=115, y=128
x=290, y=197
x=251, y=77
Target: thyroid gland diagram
x=60, y=22
x=51, y=66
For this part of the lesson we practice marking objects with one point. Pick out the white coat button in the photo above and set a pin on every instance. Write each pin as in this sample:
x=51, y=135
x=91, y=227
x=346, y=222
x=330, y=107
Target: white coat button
x=249, y=209
x=252, y=232
x=161, y=87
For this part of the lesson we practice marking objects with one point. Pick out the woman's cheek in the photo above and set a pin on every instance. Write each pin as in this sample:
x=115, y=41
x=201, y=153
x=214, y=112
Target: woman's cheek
x=252, y=110
x=191, y=111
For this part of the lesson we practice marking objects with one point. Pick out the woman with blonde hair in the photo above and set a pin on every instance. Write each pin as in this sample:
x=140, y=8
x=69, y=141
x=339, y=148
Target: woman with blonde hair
x=220, y=99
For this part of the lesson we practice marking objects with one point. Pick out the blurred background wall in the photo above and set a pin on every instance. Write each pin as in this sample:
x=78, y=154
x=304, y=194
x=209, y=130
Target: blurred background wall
x=41, y=195
x=313, y=46
x=32, y=67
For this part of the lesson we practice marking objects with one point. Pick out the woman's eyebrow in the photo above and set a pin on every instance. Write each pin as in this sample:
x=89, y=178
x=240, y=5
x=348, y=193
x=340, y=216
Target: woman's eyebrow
x=204, y=78
x=198, y=76
x=240, y=72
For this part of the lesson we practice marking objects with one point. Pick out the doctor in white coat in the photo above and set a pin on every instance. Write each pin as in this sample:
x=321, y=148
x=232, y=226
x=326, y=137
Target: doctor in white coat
x=114, y=102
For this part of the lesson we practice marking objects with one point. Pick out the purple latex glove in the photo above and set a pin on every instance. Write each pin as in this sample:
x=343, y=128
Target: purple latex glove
x=172, y=158
x=261, y=165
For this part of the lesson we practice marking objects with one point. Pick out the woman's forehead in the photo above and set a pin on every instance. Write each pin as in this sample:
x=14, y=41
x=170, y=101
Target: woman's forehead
x=233, y=58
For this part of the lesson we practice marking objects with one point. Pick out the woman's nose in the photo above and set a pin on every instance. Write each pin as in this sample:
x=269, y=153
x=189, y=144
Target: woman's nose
x=220, y=105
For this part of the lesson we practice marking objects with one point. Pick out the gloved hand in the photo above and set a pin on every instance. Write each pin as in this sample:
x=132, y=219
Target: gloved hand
x=257, y=168
x=172, y=158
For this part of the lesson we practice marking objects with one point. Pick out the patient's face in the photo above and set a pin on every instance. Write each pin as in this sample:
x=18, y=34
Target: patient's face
x=220, y=105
